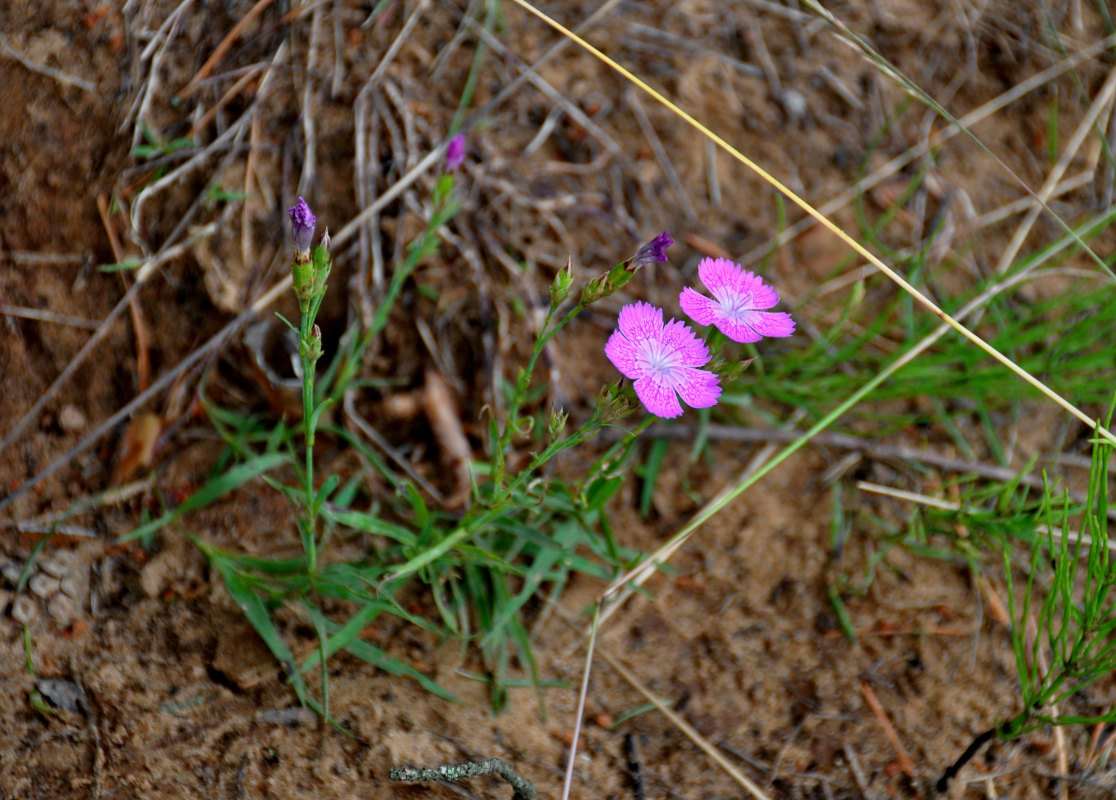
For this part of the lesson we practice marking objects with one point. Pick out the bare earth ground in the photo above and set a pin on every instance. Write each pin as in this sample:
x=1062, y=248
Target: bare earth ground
x=181, y=700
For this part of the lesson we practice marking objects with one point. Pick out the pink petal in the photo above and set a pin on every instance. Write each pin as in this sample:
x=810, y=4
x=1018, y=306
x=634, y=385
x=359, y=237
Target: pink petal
x=737, y=329
x=659, y=398
x=771, y=323
x=698, y=307
x=763, y=296
x=698, y=387
x=719, y=274
x=679, y=337
x=624, y=355
x=640, y=321
x=729, y=281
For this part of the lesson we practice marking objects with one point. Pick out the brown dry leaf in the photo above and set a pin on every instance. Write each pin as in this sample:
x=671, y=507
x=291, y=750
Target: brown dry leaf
x=445, y=420
x=137, y=446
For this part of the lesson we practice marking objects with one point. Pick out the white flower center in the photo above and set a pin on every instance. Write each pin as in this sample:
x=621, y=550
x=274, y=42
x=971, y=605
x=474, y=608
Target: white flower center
x=657, y=358
x=735, y=305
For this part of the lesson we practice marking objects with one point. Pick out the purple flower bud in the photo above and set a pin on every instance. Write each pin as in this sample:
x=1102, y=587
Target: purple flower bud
x=653, y=252
x=455, y=152
x=303, y=222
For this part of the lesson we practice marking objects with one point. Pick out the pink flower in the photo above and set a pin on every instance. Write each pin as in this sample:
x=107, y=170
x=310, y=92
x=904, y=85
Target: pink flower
x=455, y=152
x=739, y=298
x=662, y=361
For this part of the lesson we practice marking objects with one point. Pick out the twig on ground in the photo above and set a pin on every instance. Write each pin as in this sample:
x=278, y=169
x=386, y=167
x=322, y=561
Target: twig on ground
x=86, y=350
x=55, y=74
x=139, y=327
x=1084, y=129
x=888, y=729
x=155, y=50
x=523, y=788
x=675, y=42
x=47, y=316
x=687, y=729
x=770, y=783
x=631, y=98
x=31, y=257
x=876, y=450
x=856, y=770
x=223, y=48
x=635, y=767
x=374, y=436
x=234, y=90
x=552, y=94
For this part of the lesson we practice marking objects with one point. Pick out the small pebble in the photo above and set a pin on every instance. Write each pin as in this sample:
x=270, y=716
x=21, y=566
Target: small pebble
x=71, y=419
x=71, y=586
x=24, y=609
x=43, y=585
x=62, y=609
x=57, y=564
x=11, y=570
x=794, y=103
x=65, y=695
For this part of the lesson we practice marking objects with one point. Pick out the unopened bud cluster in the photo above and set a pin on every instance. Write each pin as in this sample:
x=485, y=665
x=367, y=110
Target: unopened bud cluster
x=310, y=270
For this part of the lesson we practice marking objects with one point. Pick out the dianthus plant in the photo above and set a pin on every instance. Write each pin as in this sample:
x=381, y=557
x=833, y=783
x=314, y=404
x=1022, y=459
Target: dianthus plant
x=309, y=273
x=664, y=360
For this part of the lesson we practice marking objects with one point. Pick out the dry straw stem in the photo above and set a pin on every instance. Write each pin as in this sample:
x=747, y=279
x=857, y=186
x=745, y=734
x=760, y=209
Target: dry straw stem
x=858, y=43
x=55, y=74
x=826, y=222
x=917, y=151
x=1084, y=128
x=676, y=720
x=47, y=316
x=878, y=451
x=950, y=505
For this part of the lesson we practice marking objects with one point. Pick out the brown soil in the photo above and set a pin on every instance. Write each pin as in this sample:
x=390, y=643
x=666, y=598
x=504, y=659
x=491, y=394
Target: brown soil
x=180, y=699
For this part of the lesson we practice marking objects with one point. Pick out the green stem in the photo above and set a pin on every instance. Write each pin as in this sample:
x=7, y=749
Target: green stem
x=522, y=386
x=306, y=324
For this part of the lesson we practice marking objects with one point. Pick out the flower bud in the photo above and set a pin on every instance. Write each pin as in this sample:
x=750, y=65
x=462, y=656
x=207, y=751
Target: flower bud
x=557, y=423
x=653, y=252
x=560, y=286
x=455, y=152
x=303, y=223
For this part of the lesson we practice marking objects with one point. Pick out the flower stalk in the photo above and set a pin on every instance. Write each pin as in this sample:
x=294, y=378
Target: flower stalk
x=310, y=271
x=560, y=289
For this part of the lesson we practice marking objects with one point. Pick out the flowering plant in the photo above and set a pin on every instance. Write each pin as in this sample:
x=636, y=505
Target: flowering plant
x=663, y=360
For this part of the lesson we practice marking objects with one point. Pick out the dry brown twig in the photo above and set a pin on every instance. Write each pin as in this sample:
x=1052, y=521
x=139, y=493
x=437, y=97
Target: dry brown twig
x=874, y=703
x=47, y=316
x=54, y=74
x=631, y=98
x=139, y=327
x=223, y=48
x=155, y=51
